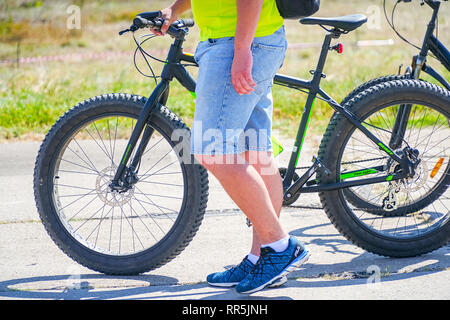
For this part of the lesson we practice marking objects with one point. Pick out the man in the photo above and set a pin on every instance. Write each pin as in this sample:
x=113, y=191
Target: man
x=242, y=46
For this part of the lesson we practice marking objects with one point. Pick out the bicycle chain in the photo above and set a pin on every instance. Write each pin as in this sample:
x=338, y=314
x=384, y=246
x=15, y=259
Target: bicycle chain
x=320, y=207
x=350, y=162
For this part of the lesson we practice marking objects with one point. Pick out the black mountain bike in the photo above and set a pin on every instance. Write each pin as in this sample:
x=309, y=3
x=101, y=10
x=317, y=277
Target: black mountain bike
x=119, y=192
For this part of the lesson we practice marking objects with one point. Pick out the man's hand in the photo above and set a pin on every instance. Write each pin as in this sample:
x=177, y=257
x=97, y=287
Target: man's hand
x=169, y=17
x=248, y=13
x=241, y=71
x=171, y=14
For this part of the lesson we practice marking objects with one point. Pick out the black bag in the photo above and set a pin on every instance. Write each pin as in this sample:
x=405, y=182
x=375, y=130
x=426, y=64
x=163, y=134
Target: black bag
x=296, y=9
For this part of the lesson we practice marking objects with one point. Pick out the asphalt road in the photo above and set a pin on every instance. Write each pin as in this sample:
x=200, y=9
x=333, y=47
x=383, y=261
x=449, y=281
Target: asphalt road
x=32, y=267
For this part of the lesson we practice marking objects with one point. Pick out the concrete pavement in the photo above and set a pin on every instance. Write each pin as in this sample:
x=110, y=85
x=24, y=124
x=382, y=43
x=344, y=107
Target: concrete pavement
x=32, y=267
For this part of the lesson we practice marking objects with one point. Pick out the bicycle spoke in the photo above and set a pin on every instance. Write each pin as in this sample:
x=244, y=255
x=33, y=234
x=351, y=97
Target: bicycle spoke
x=82, y=150
x=88, y=219
x=160, y=207
x=428, y=131
x=76, y=200
x=79, y=172
x=152, y=202
x=164, y=184
x=157, y=163
x=148, y=214
x=95, y=140
x=97, y=227
x=79, y=165
x=115, y=136
x=101, y=139
x=110, y=143
x=116, y=223
x=154, y=145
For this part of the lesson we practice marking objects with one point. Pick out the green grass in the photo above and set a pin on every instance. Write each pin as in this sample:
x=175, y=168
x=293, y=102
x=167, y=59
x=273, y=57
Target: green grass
x=34, y=96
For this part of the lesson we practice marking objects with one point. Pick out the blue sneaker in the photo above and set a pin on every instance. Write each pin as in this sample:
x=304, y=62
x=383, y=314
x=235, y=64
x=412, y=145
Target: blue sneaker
x=236, y=274
x=273, y=266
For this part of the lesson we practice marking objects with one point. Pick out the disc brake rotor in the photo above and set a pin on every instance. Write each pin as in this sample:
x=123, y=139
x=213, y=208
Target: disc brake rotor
x=414, y=183
x=112, y=198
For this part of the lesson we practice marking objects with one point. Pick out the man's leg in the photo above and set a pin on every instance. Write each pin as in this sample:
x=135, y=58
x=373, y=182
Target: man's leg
x=265, y=165
x=246, y=186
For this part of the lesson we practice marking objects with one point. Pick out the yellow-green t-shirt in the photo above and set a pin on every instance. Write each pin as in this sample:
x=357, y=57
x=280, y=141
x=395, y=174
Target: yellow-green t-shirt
x=217, y=18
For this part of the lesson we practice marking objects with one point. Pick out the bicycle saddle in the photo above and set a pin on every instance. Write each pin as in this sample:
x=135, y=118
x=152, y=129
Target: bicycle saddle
x=345, y=23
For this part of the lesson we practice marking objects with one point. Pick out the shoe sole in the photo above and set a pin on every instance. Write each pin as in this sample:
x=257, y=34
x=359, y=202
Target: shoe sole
x=223, y=284
x=275, y=284
x=291, y=267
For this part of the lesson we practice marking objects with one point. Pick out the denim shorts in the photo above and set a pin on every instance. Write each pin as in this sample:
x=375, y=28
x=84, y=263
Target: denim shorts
x=224, y=121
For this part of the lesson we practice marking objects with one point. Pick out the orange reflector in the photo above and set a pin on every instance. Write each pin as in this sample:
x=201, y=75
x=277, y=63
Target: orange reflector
x=436, y=167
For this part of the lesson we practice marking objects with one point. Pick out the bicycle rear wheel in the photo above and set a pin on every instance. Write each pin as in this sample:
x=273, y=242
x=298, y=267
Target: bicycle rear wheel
x=127, y=232
x=419, y=222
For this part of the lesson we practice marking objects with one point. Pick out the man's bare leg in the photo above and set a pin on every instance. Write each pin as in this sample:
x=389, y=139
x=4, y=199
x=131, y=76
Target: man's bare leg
x=265, y=164
x=247, y=187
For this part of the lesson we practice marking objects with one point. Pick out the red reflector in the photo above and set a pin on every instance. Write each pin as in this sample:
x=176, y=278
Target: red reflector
x=340, y=48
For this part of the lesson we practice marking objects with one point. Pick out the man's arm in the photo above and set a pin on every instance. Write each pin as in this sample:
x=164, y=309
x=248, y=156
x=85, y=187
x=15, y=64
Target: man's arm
x=248, y=13
x=172, y=13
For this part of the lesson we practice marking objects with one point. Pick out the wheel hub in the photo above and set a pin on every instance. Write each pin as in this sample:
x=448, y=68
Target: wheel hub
x=418, y=179
x=110, y=196
x=415, y=182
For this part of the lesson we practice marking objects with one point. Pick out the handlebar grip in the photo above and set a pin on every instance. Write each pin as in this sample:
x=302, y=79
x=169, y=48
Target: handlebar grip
x=150, y=15
x=188, y=22
x=140, y=22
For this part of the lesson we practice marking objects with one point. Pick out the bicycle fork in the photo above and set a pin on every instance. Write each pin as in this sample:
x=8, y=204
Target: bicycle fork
x=125, y=177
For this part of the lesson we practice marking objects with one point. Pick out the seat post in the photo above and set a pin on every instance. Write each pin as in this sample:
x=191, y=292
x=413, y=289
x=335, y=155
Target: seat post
x=318, y=74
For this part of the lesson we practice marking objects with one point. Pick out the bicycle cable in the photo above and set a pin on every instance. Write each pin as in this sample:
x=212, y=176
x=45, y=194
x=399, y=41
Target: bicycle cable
x=144, y=54
x=392, y=25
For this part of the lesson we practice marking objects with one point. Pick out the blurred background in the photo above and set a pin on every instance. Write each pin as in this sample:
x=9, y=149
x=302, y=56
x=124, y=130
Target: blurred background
x=56, y=53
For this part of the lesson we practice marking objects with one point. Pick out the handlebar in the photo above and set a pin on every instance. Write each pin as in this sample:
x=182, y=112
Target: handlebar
x=156, y=24
x=153, y=20
x=431, y=3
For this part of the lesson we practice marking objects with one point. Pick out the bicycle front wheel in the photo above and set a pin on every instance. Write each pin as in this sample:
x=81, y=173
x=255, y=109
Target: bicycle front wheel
x=127, y=232
x=415, y=217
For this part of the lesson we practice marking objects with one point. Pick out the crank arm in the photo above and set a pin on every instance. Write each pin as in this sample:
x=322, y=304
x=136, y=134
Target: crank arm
x=293, y=189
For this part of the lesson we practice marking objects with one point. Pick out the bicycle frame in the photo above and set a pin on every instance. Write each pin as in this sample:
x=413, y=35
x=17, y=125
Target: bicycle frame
x=173, y=69
x=431, y=43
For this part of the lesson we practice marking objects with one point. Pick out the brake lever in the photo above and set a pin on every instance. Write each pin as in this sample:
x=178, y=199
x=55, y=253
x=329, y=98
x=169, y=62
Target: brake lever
x=158, y=24
x=138, y=23
x=133, y=28
x=124, y=31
